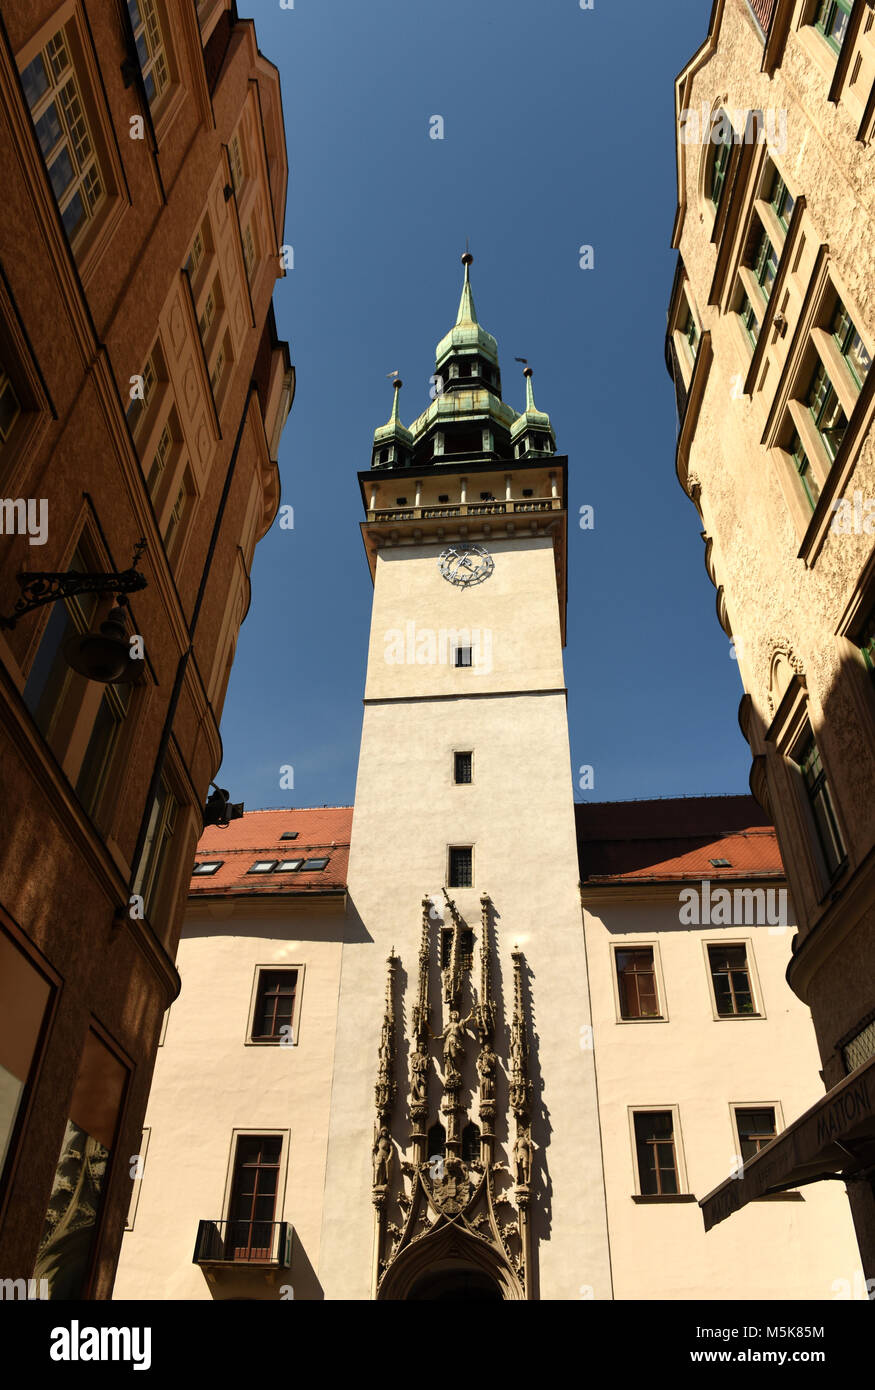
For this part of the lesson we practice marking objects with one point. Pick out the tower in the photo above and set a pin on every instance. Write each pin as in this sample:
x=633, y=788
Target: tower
x=464, y=1154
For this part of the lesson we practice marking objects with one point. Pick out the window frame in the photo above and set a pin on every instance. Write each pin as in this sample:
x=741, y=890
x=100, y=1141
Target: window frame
x=463, y=781
x=275, y=968
x=683, y=1193
x=733, y=940
x=651, y=945
x=300, y=970
x=457, y=848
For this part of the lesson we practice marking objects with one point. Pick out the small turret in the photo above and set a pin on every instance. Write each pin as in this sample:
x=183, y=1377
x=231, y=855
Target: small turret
x=532, y=432
x=393, y=442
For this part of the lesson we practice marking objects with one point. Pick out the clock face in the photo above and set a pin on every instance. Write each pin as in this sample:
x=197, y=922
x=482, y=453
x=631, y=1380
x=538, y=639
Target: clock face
x=466, y=564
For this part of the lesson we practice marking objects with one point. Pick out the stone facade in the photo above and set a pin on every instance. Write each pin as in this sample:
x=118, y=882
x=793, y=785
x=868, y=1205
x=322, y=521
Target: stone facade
x=143, y=392
x=771, y=327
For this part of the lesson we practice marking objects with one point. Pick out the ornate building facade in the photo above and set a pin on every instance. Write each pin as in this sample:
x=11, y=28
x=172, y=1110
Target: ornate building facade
x=408, y=1062
x=771, y=331
x=143, y=390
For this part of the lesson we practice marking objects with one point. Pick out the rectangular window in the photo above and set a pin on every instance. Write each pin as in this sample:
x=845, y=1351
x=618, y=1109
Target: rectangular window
x=466, y=947
x=82, y=1172
x=820, y=801
x=159, y=834
x=105, y=734
x=832, y=21
x=782, y=201
x=25, y=995
x=287, y=866
x=720, y=164
x=733, y=993
x=749, y=320
x=636, y=981
x=690, y=330
x=159, y=461
x=10, y=407
x=138, y=405
x=462, y=767
x=53, y=691
x=809, y=483
x=174, y=529
x=151, y=49
x=196, y=254
x=235, y=158
x=461, y=867
x=249, y=256
x=463, y=656
x=867, y=642
x=208, y=313
x=655, y=1152
x=274, y=1005
x=756, y=1128
x=253, y=1197
x=764, y=264
x=850, y=344
x=58, y=113
x=218, y=369
x=310, y=865
x=263, y=866
x=826, y=411
x=204, y=867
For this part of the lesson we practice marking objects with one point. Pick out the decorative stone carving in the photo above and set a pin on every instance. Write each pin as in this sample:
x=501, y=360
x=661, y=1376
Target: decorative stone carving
x=452, y=1190
x=383, y=1156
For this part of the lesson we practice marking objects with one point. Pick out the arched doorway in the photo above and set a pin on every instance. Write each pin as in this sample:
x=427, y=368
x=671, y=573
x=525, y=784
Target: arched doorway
x=455, y=1283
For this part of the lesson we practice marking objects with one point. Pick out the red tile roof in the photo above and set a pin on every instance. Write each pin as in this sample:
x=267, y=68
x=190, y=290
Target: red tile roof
x=673, y=839
x=322, y=831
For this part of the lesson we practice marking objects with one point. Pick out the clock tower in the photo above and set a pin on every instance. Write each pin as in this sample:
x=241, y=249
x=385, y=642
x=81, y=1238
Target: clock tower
x=464, y=1153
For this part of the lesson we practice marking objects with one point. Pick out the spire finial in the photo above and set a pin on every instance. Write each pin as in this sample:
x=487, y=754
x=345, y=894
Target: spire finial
x=530, y=395
x=395, y=418
x=467, y=313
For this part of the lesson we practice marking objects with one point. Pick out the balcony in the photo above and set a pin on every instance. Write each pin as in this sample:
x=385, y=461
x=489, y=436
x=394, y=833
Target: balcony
x=243, y=1243
x=509, y=506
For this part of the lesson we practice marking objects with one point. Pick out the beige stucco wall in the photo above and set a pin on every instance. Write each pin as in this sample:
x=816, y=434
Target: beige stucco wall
x=518, y=815
x=210, y=1082
x=702, y=1065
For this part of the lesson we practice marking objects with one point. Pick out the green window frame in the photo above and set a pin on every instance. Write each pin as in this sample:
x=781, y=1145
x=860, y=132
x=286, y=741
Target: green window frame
x=690, y=330
x=850, y=344
x=765, y=264
x=782, y=201
x=820, y=800
x=867, y=643
x=832, y=22
x=808, y=481
x=829, y=418
x=749, y=320
x=720, y=162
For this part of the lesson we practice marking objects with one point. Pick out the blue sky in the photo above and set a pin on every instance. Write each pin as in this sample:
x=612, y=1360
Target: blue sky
x=558, y=132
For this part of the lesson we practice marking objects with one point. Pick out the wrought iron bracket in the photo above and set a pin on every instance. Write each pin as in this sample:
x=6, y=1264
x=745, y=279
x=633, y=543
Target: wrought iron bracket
x=41, y=587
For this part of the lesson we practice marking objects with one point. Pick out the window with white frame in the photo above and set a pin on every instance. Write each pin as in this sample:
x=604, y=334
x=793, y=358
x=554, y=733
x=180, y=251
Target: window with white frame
x=151, y=47
x=54, y=95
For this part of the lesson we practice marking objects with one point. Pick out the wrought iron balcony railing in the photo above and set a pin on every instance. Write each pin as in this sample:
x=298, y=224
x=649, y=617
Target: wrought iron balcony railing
x=243, y=1243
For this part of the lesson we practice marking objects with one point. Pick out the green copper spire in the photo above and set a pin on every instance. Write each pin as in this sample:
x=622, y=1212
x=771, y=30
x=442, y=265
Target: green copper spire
x=466, y=333
x=467, y=313
x=393, y=440
x=532, y=429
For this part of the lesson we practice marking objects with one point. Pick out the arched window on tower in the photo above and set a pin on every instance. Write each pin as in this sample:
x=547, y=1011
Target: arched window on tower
x=471, y=1143
x=437, y=1141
